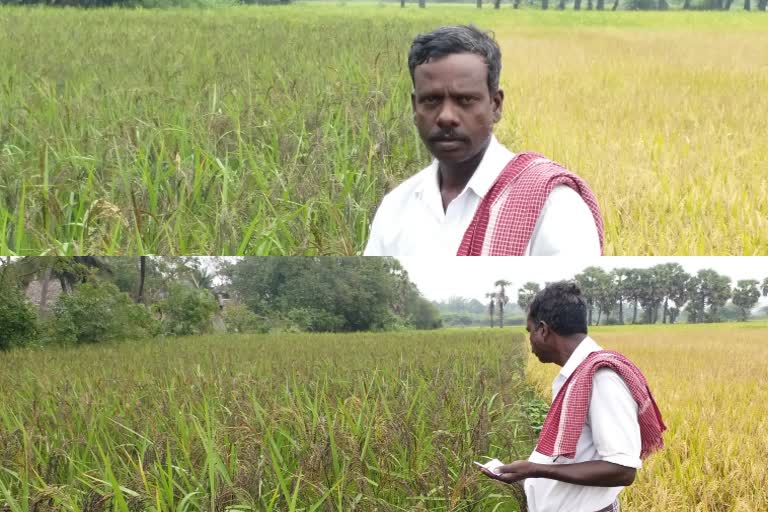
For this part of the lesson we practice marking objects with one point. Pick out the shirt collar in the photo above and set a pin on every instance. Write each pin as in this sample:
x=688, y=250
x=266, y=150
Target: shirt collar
x=583, y=349
x=495, y=158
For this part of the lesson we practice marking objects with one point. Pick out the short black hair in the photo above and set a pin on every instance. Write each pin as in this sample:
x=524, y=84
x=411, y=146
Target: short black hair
x=448, y=40
x=562, y=307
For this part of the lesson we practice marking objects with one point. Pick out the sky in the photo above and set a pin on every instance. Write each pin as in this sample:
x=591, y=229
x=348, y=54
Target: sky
x=440, y=278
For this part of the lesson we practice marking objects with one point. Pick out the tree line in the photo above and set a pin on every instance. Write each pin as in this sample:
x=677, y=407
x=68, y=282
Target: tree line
x=659, y=294
x=72, y=300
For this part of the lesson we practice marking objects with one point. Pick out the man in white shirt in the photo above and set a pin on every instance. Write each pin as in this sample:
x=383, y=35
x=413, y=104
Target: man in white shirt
x=456, y=101
x=609, y=439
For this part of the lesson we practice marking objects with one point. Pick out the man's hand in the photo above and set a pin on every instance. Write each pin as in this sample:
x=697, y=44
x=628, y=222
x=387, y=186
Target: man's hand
x=511, y=473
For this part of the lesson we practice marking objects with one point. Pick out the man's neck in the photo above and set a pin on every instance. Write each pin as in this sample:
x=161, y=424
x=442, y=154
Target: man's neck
x=568, y=345
x=453, y=177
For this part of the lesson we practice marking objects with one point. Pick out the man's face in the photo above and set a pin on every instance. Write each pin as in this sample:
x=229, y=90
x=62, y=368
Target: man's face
x=453, y=109
x=538, y=335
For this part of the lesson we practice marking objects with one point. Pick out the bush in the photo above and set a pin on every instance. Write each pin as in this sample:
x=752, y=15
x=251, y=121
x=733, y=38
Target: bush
x=187, y=310
x=98, y=311
x=17, y=318
x=238, y=318
x=315, y=320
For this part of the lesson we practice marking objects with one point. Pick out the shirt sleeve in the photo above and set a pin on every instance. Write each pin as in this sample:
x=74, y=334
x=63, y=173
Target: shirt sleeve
x=613, y=419
x=565, y=226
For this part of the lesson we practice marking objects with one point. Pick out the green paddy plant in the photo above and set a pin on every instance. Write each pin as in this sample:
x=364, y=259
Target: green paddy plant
x=281, y=422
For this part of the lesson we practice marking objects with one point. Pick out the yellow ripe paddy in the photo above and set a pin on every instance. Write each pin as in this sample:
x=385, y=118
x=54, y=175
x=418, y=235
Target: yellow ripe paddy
x=253, y=131
x=711, y=384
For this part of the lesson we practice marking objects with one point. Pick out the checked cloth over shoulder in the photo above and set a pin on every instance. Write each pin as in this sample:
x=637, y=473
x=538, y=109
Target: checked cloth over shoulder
x=568, y=413
x=505, y=219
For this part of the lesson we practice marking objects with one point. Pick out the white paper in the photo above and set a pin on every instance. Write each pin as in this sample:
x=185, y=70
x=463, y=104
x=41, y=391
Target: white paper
x=492, y=466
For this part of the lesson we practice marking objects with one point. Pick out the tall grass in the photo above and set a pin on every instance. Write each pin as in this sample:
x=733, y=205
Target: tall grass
x=272, y=422
x=709, y=382
x=278, y=130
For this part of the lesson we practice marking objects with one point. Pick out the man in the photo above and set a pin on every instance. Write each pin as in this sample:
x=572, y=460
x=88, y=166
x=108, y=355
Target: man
x=602, y=422
x=477, y=197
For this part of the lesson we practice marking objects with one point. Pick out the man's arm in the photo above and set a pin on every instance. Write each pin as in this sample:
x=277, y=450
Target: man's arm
x=594, y=473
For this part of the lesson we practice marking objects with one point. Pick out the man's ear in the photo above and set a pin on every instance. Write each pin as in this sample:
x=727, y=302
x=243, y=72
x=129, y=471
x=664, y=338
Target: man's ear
x=498, y=105
x=545, y=330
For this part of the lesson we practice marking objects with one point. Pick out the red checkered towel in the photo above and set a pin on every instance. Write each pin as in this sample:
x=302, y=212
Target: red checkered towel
x=568, y=413
x=504, y=220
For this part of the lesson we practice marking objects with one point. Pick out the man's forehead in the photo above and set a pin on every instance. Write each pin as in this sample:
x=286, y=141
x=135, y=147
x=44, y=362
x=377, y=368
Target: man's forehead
x=456, y=66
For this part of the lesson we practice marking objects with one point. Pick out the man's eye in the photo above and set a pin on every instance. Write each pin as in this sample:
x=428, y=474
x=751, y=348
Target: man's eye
x=431, y=99
x=465, y=100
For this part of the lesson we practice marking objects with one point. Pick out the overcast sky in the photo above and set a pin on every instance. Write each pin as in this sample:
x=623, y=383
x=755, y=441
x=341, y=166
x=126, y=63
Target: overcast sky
x=440, y=278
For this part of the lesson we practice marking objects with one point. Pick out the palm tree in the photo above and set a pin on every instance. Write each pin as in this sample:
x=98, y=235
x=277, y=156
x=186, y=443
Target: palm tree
x=674, y=283
x=526, y=294
x=619, y=276
x=491, y=305
x=591, y=282
x=502, y=299
x=745, y=296
x=650, y=294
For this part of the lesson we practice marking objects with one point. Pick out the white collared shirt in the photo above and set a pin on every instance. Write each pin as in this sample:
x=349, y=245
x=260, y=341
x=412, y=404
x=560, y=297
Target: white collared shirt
x=611, y=433
x=411, y=221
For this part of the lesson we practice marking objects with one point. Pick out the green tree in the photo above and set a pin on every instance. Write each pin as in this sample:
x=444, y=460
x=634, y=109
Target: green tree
x=592, y=282
x=366, y=293
x=526, y=294
x=764, y=287
x=708, y=292
x=632, y=289
x=745, y=296
x=98, y=311
x=186, y=310
x=238, y=318
x=620, y=279
x=17, y=317
x=719, y=293
x=696, y=307
x=672, y=281
x=677, y=290
x=651, y=293
x=68, y=270
x=607, y=296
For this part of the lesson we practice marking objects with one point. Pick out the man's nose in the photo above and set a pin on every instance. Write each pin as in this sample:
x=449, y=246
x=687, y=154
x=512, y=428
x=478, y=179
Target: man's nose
x=448, y=116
